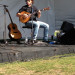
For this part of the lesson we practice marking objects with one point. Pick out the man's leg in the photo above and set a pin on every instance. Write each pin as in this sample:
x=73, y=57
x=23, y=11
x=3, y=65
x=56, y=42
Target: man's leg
x=46, y=30
x=38, y=24
x=36, y=28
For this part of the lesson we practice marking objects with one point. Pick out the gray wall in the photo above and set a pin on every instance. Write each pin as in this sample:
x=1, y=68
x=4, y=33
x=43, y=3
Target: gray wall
x=64, y=11
x=15, y=5
x=60, y=10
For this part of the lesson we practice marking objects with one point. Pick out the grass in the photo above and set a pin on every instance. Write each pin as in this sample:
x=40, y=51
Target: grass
x=56, y=65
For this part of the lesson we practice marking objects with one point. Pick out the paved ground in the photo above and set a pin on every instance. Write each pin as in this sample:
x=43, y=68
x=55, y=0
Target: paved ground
x=25, y=52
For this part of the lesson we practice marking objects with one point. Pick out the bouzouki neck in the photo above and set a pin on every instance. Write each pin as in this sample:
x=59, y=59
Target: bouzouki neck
x=44, y=9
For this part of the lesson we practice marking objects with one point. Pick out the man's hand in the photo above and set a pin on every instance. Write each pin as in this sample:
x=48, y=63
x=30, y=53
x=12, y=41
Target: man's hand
x=39, y=14
x=25, y=15
x=18, y=14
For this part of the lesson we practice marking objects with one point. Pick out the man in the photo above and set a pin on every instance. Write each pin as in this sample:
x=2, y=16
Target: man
x=29, y=7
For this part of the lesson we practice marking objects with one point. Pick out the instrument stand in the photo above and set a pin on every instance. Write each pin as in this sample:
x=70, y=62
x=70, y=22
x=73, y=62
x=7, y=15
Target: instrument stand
x=5, y=41
x=4, y=32
x=32, y=27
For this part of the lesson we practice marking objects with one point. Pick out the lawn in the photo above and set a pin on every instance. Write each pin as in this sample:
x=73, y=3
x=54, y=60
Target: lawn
x=56, y=65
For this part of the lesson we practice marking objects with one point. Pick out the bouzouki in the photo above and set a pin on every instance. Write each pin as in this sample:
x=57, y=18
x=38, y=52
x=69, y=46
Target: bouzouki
x=24, y=19
x=14, y=33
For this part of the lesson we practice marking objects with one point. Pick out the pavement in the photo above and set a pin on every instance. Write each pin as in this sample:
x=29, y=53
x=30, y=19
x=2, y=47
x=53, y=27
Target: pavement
x=25, y=52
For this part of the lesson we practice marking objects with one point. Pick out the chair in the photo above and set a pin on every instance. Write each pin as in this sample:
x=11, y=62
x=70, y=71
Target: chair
x=29, y=27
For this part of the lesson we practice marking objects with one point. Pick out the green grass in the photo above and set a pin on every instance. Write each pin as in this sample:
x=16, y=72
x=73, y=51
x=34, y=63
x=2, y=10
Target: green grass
x=56, y=65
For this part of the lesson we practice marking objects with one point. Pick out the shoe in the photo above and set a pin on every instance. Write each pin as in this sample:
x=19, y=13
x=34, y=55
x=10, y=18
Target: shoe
x=35, y=41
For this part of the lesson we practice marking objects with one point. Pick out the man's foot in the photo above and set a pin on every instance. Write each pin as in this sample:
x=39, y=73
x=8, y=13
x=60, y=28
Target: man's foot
x=35, y=41
x=32, y=41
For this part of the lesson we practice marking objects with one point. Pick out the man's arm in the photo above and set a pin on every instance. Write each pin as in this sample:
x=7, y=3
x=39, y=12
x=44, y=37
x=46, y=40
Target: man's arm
x=20, y=14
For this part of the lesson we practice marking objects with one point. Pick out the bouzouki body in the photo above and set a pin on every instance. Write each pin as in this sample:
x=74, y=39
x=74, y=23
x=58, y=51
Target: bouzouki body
x=24, y=19
x=14, y=33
